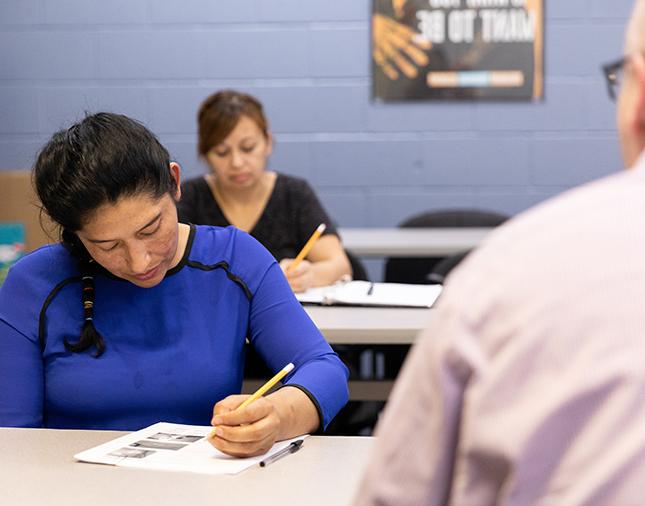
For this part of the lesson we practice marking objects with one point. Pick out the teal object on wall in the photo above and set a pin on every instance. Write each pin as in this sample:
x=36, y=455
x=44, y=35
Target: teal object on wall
x=12, y=246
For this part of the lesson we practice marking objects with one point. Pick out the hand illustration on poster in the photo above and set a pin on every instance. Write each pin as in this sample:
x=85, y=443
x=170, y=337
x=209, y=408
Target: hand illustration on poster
x=395, y=48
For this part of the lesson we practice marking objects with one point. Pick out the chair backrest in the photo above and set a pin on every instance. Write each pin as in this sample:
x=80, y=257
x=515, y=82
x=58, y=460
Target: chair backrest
x=420, y=270
x=448, y=218
x=441, y=269
x=359, y=273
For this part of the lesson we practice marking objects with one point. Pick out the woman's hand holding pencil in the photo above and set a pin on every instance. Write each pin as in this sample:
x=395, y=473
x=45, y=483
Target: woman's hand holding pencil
x=300, y=278
x=246, y=426
x=298, y=270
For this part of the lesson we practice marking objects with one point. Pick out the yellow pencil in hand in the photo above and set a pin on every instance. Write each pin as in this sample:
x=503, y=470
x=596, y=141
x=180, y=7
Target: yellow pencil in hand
x=263, y=389
x=307, y=247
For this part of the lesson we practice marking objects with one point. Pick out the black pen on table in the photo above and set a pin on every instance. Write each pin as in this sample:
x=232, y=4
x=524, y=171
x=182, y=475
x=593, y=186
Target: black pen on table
x=292, y=448
x=370, y=289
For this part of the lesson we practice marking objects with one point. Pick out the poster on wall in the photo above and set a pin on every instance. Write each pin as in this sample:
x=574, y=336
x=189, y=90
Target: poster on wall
x=457, y=49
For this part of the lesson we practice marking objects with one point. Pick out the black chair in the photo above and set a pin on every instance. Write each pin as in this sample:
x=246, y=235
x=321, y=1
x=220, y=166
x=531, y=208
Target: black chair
x=359, y=273
x=428, y=270
x=357, y=417
x=443, y=267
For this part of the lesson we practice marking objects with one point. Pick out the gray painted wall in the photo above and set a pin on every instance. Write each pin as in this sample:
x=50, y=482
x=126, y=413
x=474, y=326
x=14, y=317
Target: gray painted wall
x=372, y=164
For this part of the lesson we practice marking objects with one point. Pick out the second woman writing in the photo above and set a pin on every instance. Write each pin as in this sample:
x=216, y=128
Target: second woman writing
x=278, y=210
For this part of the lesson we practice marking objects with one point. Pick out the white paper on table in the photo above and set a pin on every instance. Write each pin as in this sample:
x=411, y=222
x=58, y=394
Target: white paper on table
x=364, y=293
x=173, y=447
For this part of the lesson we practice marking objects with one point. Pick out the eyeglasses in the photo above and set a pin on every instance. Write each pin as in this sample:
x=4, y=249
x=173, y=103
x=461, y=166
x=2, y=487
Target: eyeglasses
x=614, y=72
x=614, y=75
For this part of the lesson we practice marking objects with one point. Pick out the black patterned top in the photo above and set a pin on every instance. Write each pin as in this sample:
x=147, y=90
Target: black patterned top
x=290, y=216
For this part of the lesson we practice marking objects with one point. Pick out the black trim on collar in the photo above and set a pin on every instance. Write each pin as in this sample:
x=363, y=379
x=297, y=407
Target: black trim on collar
x=229, y=274
x=184, y=257
x=98, y=269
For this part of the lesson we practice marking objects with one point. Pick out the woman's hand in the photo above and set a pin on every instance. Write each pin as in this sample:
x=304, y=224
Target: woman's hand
x=248, y=432
x=301, y=277
x=288, y=412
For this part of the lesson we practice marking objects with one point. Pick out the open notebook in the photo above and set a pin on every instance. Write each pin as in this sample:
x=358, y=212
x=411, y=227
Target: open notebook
x=172, y=447
x=364, y=293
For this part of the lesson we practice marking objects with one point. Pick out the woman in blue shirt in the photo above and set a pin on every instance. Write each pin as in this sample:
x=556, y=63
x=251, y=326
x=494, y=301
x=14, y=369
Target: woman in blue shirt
x=135, y=318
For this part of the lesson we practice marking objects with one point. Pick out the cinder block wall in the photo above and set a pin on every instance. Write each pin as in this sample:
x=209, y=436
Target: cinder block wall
x=373, y=164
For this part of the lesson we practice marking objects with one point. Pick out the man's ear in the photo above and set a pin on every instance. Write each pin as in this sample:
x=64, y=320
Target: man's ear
x=175, y=172
x=638, y=118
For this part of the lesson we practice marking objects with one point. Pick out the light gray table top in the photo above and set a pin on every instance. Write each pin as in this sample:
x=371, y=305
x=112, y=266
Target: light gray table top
x=369, y=325
x=411, y=242
x=38, y=469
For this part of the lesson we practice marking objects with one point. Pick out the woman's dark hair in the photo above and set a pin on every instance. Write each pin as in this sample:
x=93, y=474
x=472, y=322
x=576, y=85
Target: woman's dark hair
x=97, y=161
x=219, y=114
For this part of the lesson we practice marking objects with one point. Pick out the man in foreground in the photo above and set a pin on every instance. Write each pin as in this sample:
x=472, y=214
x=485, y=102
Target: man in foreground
x=529, y=385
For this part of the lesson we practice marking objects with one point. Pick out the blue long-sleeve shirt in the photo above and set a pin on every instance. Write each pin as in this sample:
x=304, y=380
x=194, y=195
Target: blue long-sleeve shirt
x=172, y=351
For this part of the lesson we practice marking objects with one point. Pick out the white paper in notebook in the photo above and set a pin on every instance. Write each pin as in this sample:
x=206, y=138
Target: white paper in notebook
x=364, y=293
x=172, y=447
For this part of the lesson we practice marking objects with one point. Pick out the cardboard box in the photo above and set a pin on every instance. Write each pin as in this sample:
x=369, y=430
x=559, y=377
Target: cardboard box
x=12, y=246
x=19, y=204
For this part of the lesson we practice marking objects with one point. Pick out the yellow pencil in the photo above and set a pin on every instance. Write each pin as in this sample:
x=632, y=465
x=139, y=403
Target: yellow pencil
x=308, y=245
x=263, y=389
